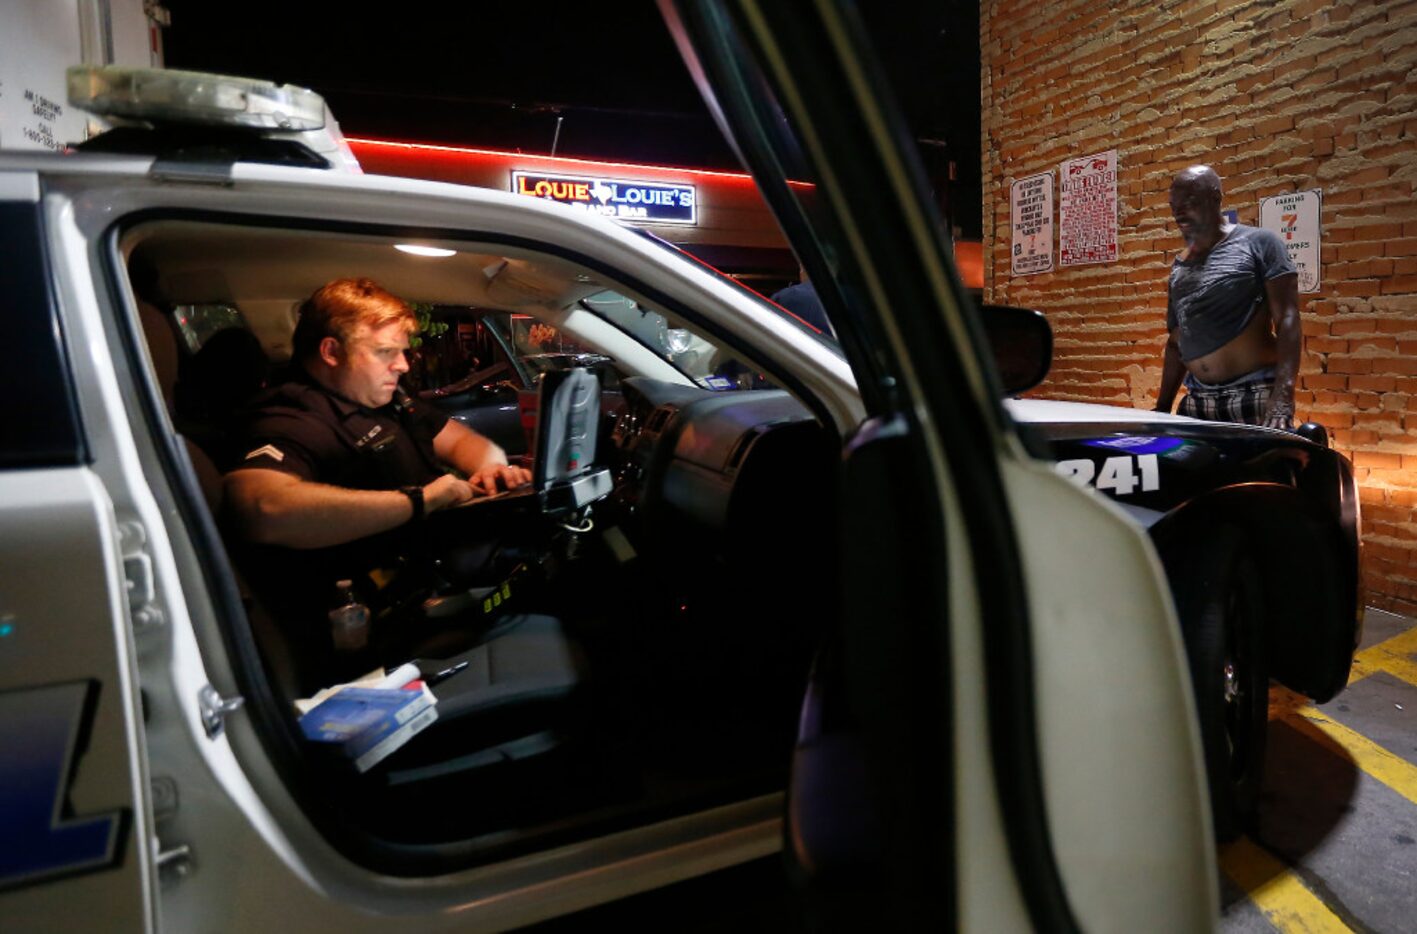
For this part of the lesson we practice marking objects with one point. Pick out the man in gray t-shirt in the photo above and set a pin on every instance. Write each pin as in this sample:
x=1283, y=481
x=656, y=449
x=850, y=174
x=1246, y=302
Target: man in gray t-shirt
x=1232, y=314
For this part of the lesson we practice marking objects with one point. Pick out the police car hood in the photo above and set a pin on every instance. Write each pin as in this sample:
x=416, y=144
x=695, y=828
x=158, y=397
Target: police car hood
x=1046, y=412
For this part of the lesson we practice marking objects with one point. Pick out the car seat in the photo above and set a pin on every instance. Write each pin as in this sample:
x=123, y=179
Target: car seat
x=512, y=704
x=214, y=384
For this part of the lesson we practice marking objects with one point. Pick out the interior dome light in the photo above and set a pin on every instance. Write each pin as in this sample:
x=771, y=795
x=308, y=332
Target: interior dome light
x=420, y=250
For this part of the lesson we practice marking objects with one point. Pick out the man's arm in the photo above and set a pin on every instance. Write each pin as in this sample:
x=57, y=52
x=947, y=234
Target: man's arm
x=484, y=462
x=1282, y=293
x=276, y=508
x=1172, y=372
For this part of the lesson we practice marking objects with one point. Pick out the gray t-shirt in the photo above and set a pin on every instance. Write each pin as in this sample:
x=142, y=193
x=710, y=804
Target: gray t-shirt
x=1211, y=300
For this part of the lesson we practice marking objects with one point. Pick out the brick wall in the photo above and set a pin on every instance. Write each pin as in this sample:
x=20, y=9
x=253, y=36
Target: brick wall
x=1278, y=96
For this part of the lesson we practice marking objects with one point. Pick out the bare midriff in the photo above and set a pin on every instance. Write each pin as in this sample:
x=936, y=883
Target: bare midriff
x=1251, y=350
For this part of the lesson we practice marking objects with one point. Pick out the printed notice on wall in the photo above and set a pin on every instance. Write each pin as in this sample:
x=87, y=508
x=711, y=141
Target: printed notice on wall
x=1087, y=215
x=1295, y=217
x=1032, y=217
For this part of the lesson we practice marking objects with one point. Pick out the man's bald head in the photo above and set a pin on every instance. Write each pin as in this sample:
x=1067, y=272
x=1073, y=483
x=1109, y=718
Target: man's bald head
x=1195, y=205
x=1199, y=178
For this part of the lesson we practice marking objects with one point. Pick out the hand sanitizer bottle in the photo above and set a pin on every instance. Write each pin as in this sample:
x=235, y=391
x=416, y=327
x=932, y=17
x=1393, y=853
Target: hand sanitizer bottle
x=349, y=622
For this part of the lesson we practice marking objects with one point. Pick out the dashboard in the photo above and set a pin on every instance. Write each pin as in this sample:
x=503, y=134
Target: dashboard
x=705, y=457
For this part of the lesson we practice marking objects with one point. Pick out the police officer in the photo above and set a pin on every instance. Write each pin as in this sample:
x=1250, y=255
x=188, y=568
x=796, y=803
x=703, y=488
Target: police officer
x=332, y=457
x=339, y=469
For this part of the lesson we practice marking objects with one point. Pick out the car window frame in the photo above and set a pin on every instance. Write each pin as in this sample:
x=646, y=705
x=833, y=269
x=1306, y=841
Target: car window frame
x=277, y=735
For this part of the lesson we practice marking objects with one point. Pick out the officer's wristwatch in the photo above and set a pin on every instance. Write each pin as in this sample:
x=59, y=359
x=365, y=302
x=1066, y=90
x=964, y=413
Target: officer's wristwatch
x=415, y=496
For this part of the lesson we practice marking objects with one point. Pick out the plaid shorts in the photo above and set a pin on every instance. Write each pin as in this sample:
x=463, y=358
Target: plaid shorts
x=1242, y=400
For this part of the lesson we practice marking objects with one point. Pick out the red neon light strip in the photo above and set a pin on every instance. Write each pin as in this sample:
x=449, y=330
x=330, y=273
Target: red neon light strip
x=562, y=160
x=559, y=159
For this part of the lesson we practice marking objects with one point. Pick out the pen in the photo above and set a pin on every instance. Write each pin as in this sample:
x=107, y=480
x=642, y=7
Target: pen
x=445, y=674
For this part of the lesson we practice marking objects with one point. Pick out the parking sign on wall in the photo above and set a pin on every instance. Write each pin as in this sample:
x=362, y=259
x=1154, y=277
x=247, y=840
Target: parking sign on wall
x=1295, y=217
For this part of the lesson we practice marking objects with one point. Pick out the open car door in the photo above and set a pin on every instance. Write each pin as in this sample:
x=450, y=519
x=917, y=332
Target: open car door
x=999, y=733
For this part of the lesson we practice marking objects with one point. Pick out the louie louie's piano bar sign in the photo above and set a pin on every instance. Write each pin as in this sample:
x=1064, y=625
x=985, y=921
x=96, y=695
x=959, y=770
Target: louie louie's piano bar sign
x=646, y=202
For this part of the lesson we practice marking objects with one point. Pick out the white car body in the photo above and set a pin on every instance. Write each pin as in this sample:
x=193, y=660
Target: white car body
x=235, y=851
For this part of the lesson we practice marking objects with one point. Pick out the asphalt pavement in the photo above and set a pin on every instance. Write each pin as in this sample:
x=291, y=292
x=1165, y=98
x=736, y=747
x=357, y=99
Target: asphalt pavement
x=1336, y=845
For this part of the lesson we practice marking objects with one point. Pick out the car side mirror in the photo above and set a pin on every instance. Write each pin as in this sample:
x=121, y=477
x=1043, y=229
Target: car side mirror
x=1022, y=342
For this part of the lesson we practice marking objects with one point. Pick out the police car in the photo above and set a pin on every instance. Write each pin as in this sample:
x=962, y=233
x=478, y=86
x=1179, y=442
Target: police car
x=853, y=614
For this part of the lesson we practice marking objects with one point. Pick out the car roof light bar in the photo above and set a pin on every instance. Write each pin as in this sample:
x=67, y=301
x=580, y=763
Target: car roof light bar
x=162, y=96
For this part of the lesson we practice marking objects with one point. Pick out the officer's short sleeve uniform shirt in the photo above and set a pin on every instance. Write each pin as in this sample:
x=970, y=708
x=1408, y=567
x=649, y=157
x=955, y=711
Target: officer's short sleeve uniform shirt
x=304, y=429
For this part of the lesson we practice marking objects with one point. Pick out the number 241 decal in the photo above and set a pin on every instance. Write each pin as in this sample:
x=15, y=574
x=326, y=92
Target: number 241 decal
x=1120, y=475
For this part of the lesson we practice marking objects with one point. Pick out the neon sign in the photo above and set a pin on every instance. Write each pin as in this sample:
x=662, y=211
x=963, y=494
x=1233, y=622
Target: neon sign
x=642, y=202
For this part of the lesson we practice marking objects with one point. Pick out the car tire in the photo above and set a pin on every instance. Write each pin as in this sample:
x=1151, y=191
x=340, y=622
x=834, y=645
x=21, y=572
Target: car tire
x=1220, y=603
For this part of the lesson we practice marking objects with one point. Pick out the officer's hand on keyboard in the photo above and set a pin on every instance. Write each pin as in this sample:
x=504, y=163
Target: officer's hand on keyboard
x=494, y=478
x=447, y=491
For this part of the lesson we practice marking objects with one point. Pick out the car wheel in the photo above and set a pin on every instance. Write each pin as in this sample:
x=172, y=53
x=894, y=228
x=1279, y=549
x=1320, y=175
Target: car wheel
x=1219, y=600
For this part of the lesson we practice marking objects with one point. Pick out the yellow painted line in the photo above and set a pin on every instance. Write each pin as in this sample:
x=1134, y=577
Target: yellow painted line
x=1393, y=656
x=1392, y=770
x=1277, y=891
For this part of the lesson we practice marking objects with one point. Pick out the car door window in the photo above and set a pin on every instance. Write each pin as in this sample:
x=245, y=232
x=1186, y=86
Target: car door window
x=197, y=323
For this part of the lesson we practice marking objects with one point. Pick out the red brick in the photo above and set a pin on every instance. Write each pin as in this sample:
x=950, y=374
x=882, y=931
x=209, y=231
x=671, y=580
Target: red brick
x=1376, y=551
x=1353, y=326
x=1273, y=125
x=1378, y=461
x=1330, y=345
x=1399, y=284
x=1358, y=287
x=1377, y=231
x=1323, y=381
x=1372, y=496
x=1347, y=363
x=1388, y=193
x=1375, y=343
x=1376, y=173
x=1319, y=79
x=1372, y=383
x=1386, y=423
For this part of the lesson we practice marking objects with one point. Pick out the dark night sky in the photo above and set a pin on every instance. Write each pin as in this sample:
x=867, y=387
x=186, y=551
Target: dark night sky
x=498, y=74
